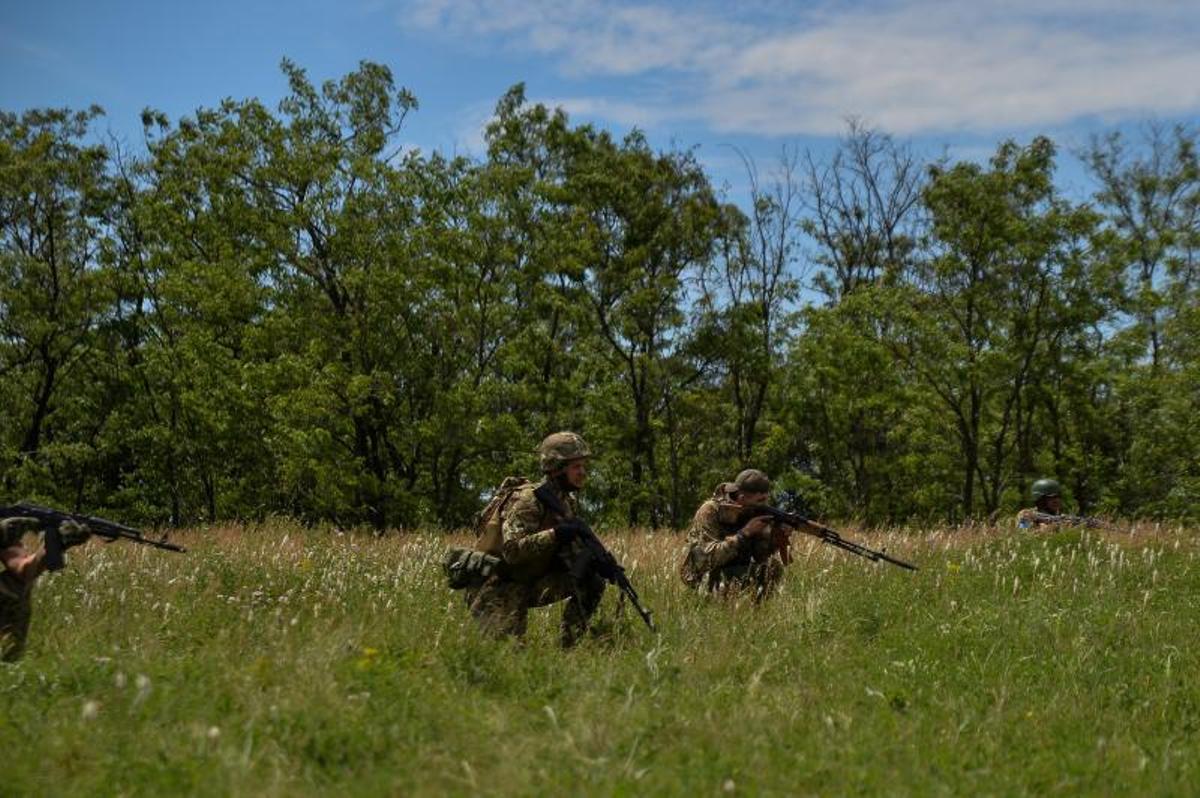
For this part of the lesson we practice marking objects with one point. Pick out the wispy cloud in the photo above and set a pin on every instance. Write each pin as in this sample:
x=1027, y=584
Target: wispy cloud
x=29, y=49
x=909, y=66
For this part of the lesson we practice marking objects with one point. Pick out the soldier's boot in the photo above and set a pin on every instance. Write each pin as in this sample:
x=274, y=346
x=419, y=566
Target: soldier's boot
x=579, y=609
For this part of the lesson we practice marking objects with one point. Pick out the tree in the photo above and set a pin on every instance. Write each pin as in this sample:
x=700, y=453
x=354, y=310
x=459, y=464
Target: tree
x=54, y=293
x=645, y=224
x=984, y=306
x=861, y=210
x=1152, y=198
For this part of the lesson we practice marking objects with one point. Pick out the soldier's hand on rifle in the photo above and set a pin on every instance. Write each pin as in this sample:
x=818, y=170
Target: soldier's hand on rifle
x=73, y=533
x=757, y=527
x=568, y=530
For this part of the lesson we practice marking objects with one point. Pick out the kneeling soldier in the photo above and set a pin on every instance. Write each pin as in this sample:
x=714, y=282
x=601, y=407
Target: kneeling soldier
x=1048, y=509
x=536, y=551
x=726, y=552
x=20, y=569
x=1047, y=503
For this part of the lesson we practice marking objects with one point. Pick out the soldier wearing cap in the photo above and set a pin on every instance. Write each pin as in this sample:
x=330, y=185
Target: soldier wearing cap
x=1047, y=498
x=19, y=569
x=537, y=545
x=727, y=553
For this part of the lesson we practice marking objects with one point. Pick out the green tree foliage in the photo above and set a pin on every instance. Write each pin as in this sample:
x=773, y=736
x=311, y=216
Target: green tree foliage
x=56, y=287
x=287, y=311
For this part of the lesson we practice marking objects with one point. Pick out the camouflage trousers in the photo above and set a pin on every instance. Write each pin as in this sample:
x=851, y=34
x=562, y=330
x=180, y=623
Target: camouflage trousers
x=501, y=607
x=16, y=610
x=761, y=580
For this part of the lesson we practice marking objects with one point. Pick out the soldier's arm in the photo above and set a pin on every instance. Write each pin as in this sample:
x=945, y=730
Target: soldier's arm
x=524, y=540
x=1031, y=517
x=23, y=565
x=709, y=549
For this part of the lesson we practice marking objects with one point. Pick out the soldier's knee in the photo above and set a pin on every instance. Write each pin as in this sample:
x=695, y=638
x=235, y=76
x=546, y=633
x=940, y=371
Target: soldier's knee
x=501, y=624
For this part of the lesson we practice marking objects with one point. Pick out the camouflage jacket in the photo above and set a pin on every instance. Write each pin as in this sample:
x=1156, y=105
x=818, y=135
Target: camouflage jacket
x=15, y=614
x=12, y=589
x=529, y=545
x=712, y=543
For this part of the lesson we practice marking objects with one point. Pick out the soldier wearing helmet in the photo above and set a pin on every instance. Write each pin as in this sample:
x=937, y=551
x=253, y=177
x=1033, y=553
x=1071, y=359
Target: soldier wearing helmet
x=728, y=553
x=1047, y=498
x=537, y=545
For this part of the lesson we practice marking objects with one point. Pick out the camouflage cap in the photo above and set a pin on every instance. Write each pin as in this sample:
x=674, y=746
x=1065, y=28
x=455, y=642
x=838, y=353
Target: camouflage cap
x=561, y=448
x=752, y=481
x=1045, y=487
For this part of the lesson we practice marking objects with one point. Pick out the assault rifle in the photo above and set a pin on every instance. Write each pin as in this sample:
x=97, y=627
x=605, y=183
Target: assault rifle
x=600, y=558
x=822, y=532
x=1089, y=521
x=101, y=527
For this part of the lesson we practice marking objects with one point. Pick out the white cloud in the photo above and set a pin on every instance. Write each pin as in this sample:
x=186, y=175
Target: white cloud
x=627, y=114
x=909, y=66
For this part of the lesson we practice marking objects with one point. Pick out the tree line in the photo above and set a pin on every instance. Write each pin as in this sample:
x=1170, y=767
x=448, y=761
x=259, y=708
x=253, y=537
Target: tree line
x=289, y=312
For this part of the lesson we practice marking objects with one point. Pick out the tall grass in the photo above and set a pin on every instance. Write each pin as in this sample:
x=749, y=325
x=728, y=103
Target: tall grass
x=274, y=660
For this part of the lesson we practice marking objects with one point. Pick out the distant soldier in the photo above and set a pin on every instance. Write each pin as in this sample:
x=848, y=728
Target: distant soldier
x=20, y=570
x=1047, y=503
x=535, y=549
x=1047, y=509
x=728, y=553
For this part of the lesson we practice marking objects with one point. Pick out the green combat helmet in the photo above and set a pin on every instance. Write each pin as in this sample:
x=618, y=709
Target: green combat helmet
x=561, y=448
x=1045, y=487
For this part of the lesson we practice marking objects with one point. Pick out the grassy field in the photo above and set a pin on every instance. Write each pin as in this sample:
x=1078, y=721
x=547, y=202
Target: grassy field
x=279, y=661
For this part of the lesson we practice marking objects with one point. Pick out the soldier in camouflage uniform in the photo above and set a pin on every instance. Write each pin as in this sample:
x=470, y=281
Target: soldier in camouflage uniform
x=1047, y=499
x=1047, y=510
x=20, y=569
x=537, y=545
x=725, y=555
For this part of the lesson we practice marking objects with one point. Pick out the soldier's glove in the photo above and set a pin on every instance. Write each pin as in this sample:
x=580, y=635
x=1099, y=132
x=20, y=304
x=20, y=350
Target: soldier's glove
x=466, y=567
x=756, y=528
x=11, y=529
x=568, y=531
x=73, y=533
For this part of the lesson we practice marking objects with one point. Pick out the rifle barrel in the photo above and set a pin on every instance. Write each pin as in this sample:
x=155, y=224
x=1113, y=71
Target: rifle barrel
x=824, y=533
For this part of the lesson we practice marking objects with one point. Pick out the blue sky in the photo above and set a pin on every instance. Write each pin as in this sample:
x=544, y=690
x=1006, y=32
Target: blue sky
x=755, y=75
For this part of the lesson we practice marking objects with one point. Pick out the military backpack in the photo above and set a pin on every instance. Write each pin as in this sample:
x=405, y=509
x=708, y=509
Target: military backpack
x=470, y=567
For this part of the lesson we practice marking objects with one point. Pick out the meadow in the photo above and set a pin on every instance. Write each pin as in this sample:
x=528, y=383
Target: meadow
x=278, y=660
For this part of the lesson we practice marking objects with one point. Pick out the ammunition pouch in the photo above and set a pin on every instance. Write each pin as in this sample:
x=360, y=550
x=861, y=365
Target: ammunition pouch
x=466, y=568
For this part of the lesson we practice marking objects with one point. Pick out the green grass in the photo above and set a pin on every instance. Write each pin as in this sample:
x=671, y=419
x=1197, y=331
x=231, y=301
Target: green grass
x=278, y=661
